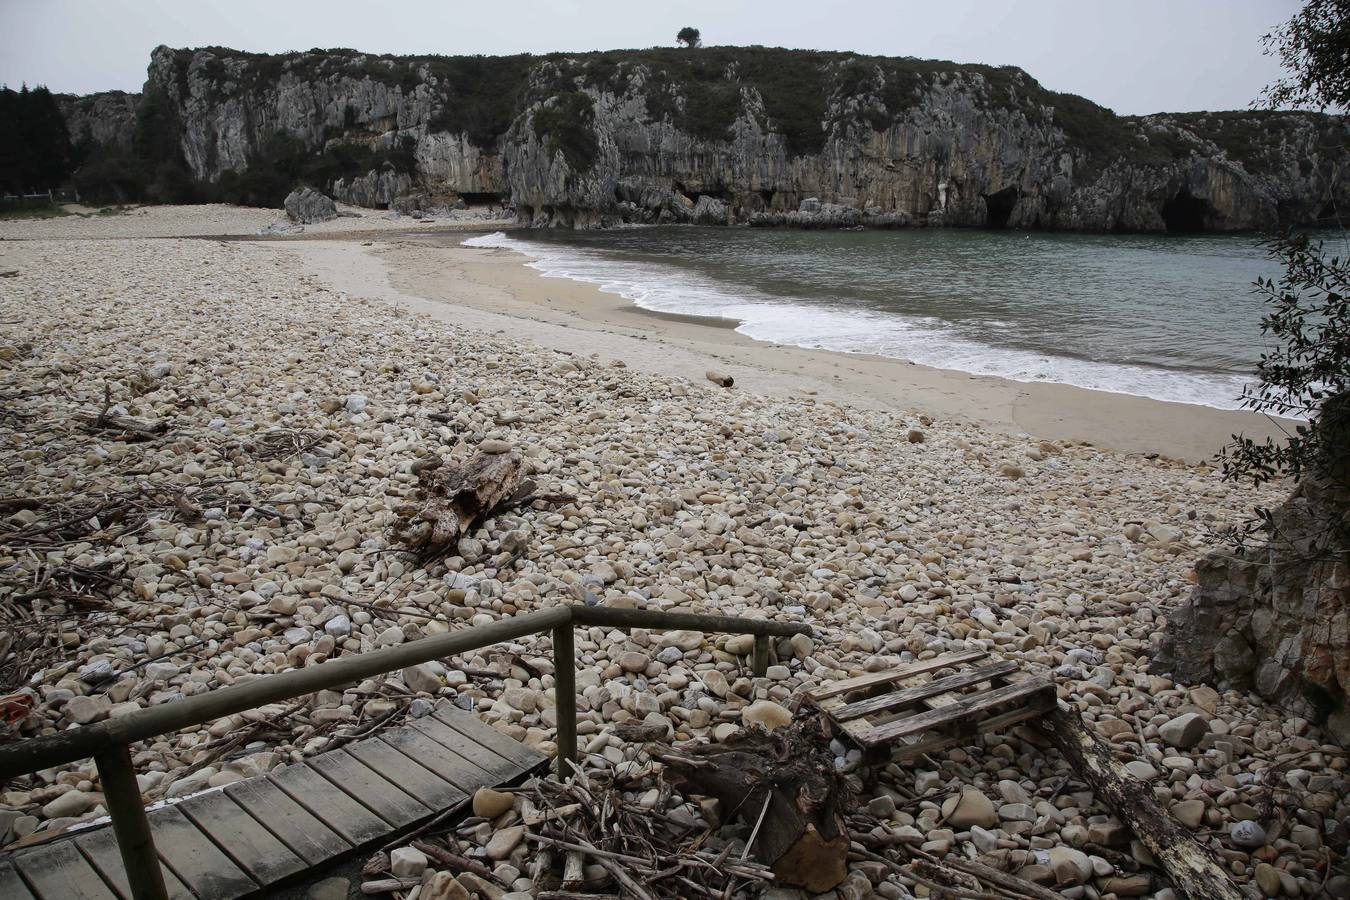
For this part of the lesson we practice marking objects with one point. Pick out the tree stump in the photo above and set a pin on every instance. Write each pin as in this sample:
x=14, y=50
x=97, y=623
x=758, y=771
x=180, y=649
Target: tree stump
x=782, y=784
x=453, y=498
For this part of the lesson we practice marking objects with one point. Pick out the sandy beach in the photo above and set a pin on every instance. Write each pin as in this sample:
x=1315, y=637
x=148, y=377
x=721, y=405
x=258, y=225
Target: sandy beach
x=560, y=312
x=292, y=390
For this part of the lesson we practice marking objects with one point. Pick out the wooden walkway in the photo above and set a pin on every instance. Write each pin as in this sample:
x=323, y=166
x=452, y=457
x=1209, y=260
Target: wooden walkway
x=238, y=841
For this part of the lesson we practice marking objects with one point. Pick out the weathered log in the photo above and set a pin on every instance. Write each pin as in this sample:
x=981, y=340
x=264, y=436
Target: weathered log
x=785, y=782
x=719, y=379
x=454, y=498
x=1193, y=869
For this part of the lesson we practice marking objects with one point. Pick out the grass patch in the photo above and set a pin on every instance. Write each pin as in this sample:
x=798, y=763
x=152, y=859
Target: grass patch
x=36, y=212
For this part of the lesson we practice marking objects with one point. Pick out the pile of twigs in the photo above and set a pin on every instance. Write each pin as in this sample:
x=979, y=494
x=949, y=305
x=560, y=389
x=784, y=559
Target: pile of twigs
x=282, y=443
x=647, y=853
x=108, y=515
x=949, y=878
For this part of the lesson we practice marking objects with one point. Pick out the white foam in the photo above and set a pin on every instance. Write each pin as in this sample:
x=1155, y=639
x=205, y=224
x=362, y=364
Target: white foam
x=926, y=341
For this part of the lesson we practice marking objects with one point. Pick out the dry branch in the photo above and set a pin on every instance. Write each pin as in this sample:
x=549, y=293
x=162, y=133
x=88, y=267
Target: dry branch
x=1193, y=869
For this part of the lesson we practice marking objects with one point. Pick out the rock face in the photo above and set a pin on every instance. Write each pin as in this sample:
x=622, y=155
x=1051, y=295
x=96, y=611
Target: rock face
x=731, y=135
x=1275, y=619
x=106, y=119
x=308, y=206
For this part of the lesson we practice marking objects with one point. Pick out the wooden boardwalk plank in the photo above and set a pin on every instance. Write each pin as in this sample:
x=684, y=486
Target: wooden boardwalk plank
x=58, y=871
x=986, y=700
x=440, y=759
x=874, y=679
x=496, y=765
x=911, y=696
x=11, y=885
x=239, y=841
x=296, y=827
x=202, y=866
x=356, y=824
x=252, y=847
x=373, y=792
x=480, y=732
x=99, y=845
x=409, y=773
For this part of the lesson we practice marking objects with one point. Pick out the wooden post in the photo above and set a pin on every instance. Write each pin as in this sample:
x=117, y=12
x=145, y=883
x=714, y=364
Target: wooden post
x=759, y=661
x=122, y=795
x=565, y=696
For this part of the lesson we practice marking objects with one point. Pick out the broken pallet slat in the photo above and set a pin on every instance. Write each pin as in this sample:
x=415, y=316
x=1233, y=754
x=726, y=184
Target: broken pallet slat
x=890, y=676
x=977, y=703
x=912, y=696
x=903, y=752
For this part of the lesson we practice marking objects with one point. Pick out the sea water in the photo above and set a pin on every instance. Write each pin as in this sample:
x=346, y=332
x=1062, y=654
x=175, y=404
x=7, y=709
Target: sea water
x=1170, y=317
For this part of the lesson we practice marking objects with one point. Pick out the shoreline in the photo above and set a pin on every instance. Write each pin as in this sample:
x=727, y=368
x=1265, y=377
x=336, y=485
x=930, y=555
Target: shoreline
x=447, y=280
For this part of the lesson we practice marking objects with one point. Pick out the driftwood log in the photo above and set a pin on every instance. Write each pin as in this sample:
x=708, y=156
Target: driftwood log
x=454, y=497
x=1193, y=869
x=719, y=378
x=783, y=785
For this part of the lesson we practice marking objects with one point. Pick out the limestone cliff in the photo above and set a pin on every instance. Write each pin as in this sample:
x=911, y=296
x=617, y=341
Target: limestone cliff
x=729, y=135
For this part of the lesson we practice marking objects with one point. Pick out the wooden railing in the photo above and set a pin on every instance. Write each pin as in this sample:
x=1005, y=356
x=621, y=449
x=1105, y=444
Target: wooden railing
x=108, y=742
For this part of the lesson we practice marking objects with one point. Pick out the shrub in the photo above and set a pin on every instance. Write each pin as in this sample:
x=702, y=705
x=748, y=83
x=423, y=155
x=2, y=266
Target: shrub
x=567, y=123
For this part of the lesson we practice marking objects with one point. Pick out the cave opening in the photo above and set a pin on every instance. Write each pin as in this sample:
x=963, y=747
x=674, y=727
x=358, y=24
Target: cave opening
x=471, y=198
x=999, y=207
x=1185, y=213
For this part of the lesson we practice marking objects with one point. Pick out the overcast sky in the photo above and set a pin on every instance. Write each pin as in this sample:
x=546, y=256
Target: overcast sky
x=1137, y=56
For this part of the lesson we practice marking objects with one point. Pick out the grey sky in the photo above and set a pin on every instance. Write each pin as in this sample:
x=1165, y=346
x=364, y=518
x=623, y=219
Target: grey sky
x=1136, y=56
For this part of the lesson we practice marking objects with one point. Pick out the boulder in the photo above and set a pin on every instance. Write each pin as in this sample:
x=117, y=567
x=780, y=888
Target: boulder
x=1274, y=618
x=1185, y=731
x=490, y=804
x=766, y=714
x=307, y=206
x=969, y=808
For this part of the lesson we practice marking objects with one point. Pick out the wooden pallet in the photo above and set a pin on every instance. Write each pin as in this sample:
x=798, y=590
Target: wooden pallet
x=242, y=840
x=910, y=710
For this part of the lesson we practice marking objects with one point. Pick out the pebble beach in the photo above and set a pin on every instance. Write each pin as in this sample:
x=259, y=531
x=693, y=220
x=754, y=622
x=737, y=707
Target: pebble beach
x=252, y=533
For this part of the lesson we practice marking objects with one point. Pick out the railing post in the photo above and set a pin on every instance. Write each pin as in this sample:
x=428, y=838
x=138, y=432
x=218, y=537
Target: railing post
x=122, y=796
x=759, y=660
x=565, y=696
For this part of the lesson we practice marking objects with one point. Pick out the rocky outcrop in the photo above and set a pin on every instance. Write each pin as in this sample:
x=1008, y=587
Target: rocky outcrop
x=105, y=120
x=1275, y=620
x=308, y=206
x=735, y=135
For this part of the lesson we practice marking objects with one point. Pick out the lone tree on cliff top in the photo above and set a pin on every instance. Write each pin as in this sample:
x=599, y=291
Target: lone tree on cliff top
x=689, y=36
x=1307, y=374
